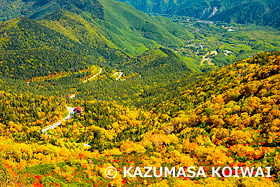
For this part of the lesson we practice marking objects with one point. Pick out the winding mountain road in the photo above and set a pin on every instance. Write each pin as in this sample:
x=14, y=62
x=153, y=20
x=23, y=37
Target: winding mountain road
x=93, y=76
x=121, y=73
x=70, y=110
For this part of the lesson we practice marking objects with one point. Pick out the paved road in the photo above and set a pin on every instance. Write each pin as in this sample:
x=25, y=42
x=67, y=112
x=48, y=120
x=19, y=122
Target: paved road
x=70, y=110
x=121, y=73
x=93, y=76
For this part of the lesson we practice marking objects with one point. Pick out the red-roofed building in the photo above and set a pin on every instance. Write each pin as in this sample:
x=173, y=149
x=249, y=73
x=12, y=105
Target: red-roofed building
x=78, y=110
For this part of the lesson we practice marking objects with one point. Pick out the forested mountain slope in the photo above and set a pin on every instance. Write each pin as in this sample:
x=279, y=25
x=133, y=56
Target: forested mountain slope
x=149, y=78
x=142, y=104
x=261, y=12
x=29, y=49
x=77, y=35
x=230, y=120
x=129, y=29
x=242, y=95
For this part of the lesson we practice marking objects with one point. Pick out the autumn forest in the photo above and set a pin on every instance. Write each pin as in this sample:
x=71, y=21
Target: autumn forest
x=87, y=85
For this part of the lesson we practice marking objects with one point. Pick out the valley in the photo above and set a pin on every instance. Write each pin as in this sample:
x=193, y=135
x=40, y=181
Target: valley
x=190, y=84
x=259, y=12
x=232, y=42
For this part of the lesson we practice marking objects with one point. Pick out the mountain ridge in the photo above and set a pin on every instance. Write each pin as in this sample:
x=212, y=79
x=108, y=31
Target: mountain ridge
x=242, y=11
x=106, y=38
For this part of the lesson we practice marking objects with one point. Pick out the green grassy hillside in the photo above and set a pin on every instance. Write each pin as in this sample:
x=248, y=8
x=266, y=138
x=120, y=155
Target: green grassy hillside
x=78, y=34
x=124, y=26
x=131, y=25
x=30, y=49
